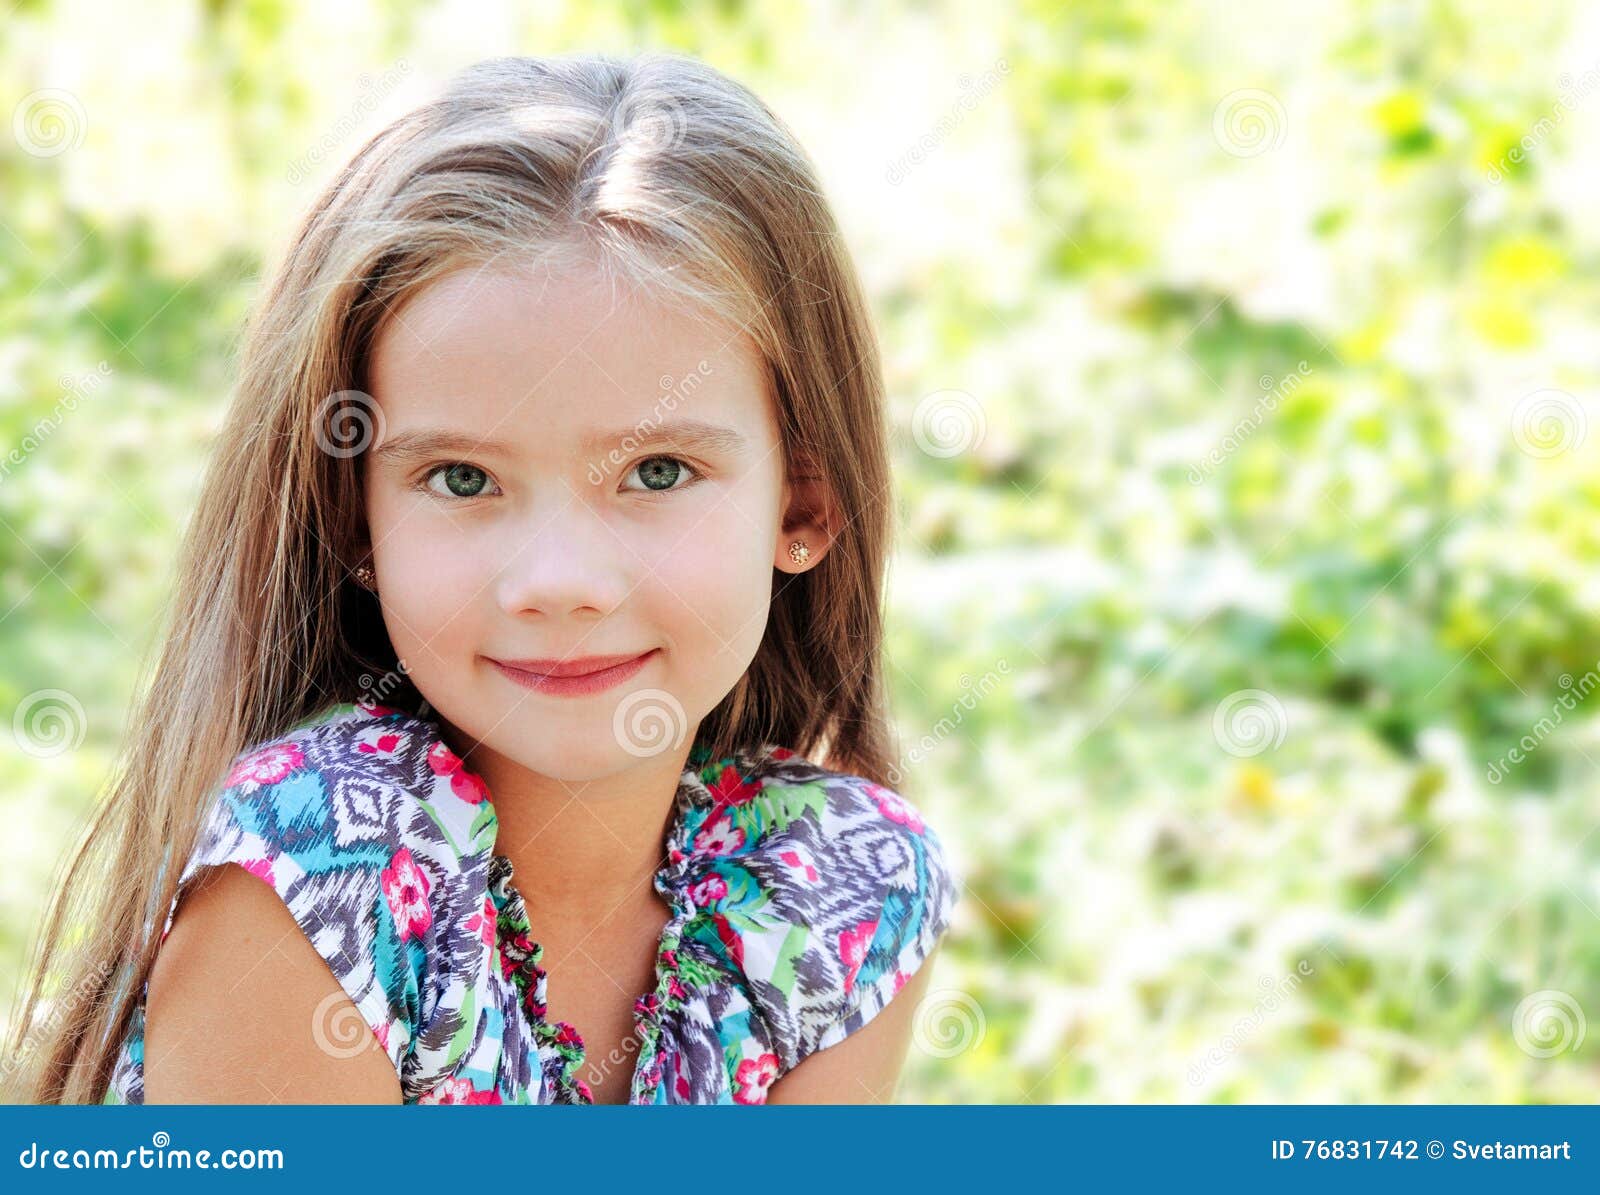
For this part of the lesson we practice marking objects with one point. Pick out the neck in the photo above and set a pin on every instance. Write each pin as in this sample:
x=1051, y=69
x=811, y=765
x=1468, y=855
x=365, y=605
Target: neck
x=591, y=846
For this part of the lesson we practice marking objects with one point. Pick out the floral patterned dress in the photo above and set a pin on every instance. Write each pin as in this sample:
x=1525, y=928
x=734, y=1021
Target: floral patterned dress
x=801, y=900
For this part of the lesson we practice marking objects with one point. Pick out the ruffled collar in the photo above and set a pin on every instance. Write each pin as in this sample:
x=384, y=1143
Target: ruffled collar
x=706, y=789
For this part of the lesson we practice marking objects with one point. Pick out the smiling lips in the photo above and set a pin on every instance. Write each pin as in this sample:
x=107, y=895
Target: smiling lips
x=573, y=678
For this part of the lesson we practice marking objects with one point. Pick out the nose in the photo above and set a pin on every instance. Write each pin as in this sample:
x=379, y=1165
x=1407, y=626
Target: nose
x=564, y=561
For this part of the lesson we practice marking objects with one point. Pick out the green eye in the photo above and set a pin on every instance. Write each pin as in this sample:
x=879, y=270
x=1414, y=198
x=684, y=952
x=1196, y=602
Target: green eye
x=661, y=473
x=463, y=480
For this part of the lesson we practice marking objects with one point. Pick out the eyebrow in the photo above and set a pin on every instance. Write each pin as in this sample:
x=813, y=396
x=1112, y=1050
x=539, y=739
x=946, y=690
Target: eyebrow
x=420, y=442
x=694, y=434
x=690, y=434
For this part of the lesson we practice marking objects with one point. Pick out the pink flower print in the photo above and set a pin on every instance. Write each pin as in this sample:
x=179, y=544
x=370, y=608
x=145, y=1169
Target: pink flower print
x=676, y=990
x=680, y=1085
x=566, y=1035
x=730, y=788
x=446, y=1091
x=894, y=807
x=381, y=742
x=373, y=710
x=468, y=786
x=483, y=921
x=853, y=945
x=266, y=766
x=382, y=1033
x=782, y=753
x=458, y=1091
x=442, y=760
x=730, y=939
x=524, y=943
x=720, y=837
x=406, y=887
x=900, y=978
x=799, y=863
x=708, y=891
x=753, y=1078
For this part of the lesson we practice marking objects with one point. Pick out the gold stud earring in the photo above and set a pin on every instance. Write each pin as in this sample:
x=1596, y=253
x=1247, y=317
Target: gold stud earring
x=366, y=578
x=798, y=552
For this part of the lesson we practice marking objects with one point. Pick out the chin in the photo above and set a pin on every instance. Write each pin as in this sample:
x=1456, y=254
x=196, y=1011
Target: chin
x=573, y=746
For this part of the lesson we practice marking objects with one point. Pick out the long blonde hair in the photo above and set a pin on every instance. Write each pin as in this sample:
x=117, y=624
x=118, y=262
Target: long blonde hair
x=658, y=167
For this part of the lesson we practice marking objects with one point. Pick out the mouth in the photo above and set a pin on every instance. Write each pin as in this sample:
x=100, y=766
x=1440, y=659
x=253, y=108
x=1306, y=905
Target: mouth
x=573, y=678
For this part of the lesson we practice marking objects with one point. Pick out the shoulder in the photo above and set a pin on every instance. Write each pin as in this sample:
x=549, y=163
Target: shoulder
x=210, y=1035
x=373, y=836
x=835, y=889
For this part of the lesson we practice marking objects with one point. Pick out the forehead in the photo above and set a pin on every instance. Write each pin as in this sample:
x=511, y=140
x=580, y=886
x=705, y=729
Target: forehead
x=554, y=357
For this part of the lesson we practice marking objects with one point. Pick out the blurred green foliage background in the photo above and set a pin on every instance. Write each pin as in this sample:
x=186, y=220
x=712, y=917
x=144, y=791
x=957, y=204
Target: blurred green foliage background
x=1242, y=360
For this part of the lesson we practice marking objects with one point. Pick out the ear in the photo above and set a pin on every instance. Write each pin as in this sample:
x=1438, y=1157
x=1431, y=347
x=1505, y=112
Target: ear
x=811, y=517
x=359, y=547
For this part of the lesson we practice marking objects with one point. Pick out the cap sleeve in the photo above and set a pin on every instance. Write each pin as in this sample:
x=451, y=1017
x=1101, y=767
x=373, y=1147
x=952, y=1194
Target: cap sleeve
x=859, y=893
x=328, y=818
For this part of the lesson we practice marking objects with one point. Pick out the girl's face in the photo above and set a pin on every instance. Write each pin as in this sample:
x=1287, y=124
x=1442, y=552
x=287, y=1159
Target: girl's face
x=562, y=471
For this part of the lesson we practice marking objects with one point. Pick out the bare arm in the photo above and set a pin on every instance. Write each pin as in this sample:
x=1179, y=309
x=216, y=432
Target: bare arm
x=864, y=1068
x=243, y=1010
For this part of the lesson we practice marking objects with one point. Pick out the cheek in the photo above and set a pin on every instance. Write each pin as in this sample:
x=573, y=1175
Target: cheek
x=426, y=578
x=715, y=586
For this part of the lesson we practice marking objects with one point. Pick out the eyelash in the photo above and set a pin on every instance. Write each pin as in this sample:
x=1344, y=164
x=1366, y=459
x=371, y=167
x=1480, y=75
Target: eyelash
x=427, y=474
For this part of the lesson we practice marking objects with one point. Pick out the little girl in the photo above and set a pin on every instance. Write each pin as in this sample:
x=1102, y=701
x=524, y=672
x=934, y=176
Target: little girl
x=537, y=571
